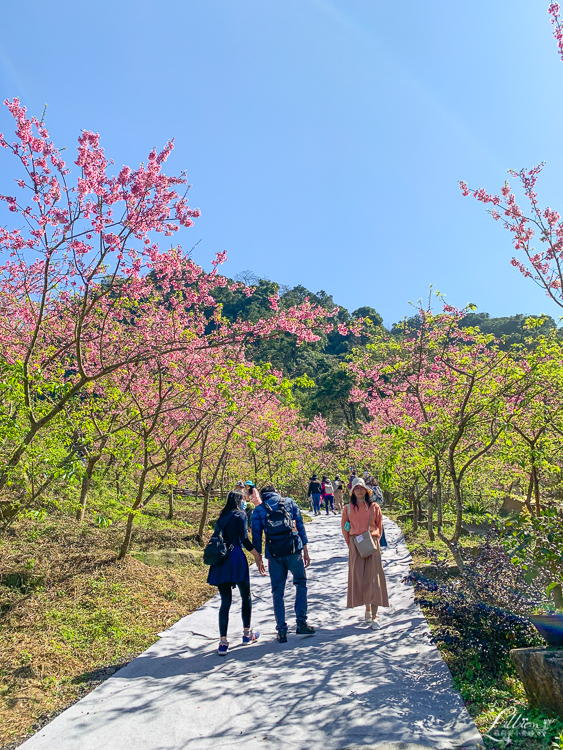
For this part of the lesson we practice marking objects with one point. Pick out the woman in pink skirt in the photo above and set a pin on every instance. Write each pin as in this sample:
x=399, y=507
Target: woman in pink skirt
x=366, y=579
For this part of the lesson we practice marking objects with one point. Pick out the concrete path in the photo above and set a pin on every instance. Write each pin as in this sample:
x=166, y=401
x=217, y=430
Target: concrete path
x=345, y=687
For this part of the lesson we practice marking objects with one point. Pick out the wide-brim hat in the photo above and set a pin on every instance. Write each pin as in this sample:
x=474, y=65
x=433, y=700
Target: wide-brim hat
x=359, y=482
x=249, y=484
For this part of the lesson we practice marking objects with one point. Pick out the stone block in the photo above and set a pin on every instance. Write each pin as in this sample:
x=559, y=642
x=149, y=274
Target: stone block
x=481, y=529
x=169, y=558
x=512, y=505
x=541, y=671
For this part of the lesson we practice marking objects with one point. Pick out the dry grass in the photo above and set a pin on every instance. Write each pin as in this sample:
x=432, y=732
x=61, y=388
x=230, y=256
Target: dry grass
x=69, y=610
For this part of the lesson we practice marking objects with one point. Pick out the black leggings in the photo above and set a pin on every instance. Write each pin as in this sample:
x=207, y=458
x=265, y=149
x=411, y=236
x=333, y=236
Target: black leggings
x=226, y=591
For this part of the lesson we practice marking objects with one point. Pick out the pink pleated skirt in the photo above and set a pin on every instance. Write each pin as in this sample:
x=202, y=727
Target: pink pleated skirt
x=366, y=579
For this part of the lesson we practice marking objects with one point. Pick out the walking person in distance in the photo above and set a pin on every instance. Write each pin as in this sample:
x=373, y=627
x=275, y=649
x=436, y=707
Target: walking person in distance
x=338, y=493
x=251, y=494
x=233, y=569
x=327, y=493
x=250, y=499
x=315, y=490
x=286, y=550
x=362, y=525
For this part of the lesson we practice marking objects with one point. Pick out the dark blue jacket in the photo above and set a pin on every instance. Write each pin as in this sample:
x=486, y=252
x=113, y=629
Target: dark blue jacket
x=259, y=520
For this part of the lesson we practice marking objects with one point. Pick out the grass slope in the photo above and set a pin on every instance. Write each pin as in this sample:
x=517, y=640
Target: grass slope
x=70, y=611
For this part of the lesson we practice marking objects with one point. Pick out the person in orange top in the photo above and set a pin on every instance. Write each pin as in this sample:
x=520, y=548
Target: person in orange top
x=366, y=579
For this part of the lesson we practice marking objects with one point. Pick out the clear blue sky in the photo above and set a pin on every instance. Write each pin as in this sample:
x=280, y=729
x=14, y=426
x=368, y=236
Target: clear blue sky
x=323, y=138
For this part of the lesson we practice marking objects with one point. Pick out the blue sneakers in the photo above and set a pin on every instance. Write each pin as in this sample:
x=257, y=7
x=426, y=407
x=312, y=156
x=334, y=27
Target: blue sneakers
x=251, y=638
x=223, y=648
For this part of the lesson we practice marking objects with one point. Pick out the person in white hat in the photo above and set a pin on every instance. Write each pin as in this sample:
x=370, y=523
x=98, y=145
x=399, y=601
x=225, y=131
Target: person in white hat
x=366, y=579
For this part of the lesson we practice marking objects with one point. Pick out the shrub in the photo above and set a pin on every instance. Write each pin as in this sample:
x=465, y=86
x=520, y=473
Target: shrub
x=483, y=612
x=536, y=545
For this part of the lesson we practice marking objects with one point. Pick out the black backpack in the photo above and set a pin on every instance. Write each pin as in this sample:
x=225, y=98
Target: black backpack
x=278, y=529
x=217, y=550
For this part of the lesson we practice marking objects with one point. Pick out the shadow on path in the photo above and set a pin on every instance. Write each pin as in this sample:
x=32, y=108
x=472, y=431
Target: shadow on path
x=347, y=686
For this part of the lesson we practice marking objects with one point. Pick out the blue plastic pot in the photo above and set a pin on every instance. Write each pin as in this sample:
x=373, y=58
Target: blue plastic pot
x=550, y=627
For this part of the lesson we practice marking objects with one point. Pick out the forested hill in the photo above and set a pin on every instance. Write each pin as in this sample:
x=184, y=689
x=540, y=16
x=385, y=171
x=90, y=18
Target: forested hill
x=322, y=361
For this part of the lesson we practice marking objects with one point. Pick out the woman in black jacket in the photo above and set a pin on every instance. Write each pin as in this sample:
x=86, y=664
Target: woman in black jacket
x=233, y=570
x=314, y=491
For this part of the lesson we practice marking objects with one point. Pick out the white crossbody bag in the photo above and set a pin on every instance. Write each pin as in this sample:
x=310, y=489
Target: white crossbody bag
x=364, y=542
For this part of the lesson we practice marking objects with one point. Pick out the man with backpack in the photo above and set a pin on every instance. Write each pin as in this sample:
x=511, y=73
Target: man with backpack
x=286, y=551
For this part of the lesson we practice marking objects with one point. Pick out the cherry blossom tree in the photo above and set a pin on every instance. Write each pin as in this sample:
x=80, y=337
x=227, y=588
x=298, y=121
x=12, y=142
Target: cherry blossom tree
x=449, y=391
x=544, y=263
x=86, y=291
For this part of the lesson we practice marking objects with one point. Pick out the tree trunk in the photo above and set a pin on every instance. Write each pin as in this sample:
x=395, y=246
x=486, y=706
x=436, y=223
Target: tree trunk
x=18, y=453
x=86, y=479
x=439, y=508
x=131, y=517
x=536, y=490
x=414, y=507
x=455, y=549
x=452, y=544
x=458, y=511
x=255, y=470
x=127, y=539
x=557, y=596
x=269, y=466
x=35, y=428
x=222, y=484
x=171, y=505
x=430, y=512
x=203, y=519
x=456, y=552
x=529, y=493
x=437, y=497
x=209, y=487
